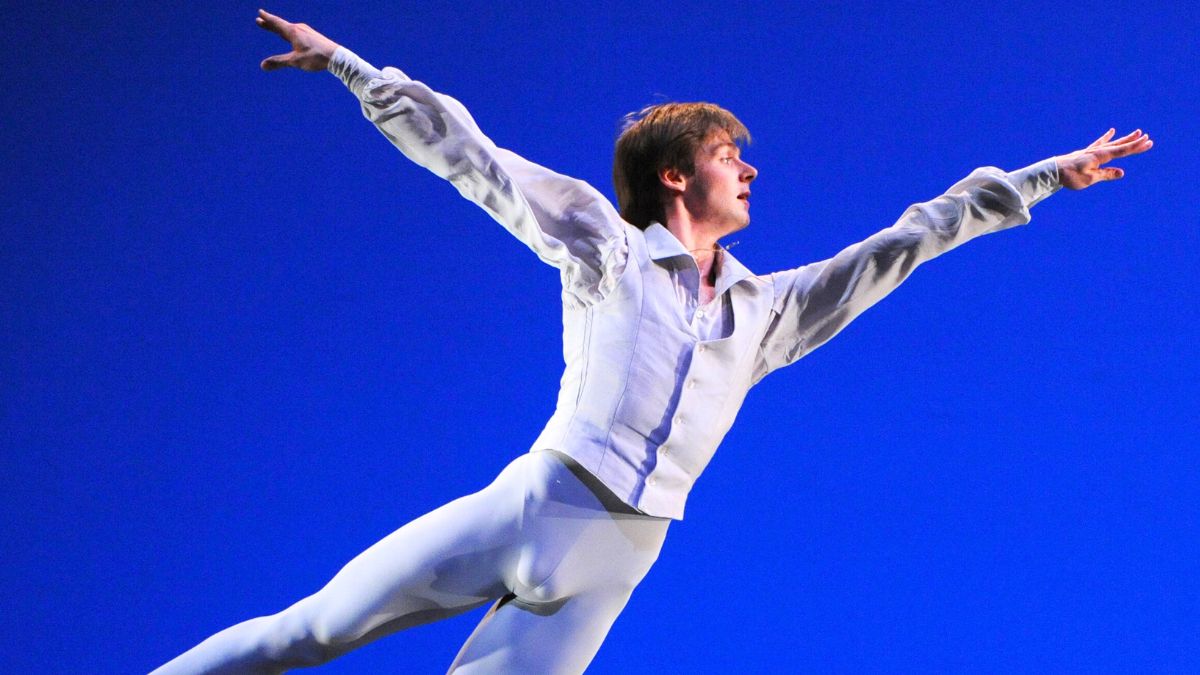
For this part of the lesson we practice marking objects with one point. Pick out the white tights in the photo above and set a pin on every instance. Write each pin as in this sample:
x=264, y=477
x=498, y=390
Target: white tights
x=554, y=549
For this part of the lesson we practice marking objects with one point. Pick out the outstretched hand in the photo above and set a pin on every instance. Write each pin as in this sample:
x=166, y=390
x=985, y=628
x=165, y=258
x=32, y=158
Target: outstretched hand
x=1082, y=168
x=311, y=51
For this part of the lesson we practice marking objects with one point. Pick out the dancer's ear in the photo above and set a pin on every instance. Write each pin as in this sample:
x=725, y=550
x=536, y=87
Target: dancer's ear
x=673, y=179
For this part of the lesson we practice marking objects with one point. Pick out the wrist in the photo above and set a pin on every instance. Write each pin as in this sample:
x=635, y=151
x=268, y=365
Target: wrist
x=1037, y=181
x=325, y=49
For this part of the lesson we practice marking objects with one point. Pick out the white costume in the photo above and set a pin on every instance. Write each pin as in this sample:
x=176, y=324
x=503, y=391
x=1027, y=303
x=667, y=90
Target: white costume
x=653, y=382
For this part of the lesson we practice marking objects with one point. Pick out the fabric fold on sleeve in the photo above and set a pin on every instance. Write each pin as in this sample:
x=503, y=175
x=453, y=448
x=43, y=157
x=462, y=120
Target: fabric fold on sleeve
x=565, y=221
x=354, y=72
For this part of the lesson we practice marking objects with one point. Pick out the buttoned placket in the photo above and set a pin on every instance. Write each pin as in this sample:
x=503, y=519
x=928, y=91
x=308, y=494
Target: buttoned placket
x=680, y=426
x=687, y=277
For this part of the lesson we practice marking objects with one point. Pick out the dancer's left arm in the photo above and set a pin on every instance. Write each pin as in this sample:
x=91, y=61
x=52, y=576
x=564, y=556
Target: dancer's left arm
x=813, y=303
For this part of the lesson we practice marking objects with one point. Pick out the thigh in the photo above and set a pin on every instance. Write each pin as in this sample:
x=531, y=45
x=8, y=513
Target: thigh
x=558, y=638
x=450, y=560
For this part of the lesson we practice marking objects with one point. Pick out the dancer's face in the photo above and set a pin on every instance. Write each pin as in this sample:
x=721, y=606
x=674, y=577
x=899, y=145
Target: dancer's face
x=719, y=191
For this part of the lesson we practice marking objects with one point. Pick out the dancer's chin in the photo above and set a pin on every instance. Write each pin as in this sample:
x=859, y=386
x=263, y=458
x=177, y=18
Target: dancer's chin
x=741, y=224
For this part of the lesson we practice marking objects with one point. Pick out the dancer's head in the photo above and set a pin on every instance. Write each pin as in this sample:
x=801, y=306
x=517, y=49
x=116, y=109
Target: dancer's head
x=660, y=137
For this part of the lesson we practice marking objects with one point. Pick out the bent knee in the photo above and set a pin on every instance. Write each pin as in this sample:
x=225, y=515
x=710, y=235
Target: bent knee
x=293, y=638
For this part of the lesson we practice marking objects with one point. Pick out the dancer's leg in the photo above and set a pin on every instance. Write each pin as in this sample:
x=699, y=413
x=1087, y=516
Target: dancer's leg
x=584, y=554
x=516, y=637
x=448, y=561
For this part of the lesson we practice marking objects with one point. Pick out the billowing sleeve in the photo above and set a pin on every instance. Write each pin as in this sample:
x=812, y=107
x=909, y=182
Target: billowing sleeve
x=566, y=222
x=813, y=303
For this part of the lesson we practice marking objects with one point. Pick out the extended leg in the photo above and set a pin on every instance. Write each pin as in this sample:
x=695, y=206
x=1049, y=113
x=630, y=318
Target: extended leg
x=445, y=562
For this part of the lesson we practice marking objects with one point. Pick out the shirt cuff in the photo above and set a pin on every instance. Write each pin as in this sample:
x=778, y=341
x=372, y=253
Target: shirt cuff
x=1036, y=181
x=354, y=72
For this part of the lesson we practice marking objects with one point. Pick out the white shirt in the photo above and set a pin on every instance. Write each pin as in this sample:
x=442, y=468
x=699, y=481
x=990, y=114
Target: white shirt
x=651, y=384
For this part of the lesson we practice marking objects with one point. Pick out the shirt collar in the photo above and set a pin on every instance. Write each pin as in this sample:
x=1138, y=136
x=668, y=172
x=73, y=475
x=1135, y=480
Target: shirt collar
x=661, y=244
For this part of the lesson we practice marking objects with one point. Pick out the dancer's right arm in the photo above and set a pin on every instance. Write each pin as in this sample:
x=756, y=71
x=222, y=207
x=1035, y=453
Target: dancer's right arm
x=567, y=222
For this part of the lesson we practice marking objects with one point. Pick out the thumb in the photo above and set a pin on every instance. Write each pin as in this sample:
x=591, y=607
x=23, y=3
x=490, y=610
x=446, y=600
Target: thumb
x=1113, y=173
x=276, y=62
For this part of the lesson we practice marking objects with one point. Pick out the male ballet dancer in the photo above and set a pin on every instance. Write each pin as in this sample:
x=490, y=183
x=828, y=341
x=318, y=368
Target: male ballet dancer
x=664, y=332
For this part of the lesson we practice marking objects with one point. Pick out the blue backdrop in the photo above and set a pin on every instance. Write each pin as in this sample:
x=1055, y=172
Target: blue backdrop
x=242, y=338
